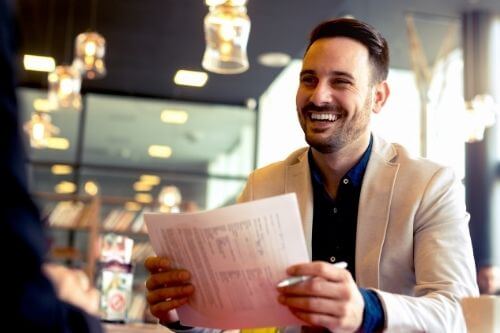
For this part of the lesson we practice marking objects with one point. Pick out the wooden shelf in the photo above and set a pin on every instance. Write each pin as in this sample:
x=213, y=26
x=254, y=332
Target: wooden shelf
x=86, y=219
x=124, y=232
x=65, y=253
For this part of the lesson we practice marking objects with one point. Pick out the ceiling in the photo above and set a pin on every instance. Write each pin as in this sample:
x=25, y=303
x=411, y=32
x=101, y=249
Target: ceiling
x=149, y=40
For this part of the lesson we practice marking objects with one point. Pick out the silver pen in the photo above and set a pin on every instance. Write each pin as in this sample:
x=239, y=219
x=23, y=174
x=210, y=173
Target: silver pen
x=301, y=278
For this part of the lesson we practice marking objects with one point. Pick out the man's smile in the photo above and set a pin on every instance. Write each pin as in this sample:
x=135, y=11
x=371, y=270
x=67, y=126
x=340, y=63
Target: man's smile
x=323, y=116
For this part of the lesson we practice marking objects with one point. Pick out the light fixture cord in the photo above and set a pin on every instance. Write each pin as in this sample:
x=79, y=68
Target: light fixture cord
x=69, y=30
x=49, y=35
x=50, y=28
x=93, y=15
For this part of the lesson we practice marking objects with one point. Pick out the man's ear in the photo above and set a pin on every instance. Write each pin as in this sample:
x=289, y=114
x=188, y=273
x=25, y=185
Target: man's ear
x=381, y=92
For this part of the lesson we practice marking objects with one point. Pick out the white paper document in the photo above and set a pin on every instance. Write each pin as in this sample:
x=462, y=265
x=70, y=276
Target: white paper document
x=236, y=256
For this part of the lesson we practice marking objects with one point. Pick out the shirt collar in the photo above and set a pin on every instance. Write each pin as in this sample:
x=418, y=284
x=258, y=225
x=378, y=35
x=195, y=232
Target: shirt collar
x=355, y=174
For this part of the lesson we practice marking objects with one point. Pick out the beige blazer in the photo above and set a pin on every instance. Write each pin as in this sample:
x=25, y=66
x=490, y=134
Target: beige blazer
x=413, y=244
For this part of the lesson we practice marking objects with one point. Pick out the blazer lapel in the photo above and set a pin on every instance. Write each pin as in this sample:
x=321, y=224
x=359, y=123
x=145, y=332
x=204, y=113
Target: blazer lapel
x=298, y=180
x=373, y=212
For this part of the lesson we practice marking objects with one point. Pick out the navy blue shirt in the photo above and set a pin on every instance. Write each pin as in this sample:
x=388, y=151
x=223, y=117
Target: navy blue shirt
x=334, y=229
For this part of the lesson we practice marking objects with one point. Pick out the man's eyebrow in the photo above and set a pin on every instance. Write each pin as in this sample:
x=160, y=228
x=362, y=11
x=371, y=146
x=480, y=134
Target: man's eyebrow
x=331, y=73
x=341, y=73
x=307, y=71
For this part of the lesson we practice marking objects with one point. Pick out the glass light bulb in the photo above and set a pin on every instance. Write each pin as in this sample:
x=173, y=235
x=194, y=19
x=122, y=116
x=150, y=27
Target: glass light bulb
x=38, y=132
x=227, y=28
x=64, y=87
x=90, y=49
x=170, y=196
x=40, y=129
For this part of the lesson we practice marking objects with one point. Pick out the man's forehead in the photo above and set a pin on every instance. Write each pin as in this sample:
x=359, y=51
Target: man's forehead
x=335, y=56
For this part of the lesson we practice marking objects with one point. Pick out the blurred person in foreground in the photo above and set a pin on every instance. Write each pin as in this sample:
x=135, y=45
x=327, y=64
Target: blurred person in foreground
x=41, y=297
x=398, y=221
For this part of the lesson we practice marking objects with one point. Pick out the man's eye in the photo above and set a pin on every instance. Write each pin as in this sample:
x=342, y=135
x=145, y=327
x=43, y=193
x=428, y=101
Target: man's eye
x=308, y=80
x=340, y=82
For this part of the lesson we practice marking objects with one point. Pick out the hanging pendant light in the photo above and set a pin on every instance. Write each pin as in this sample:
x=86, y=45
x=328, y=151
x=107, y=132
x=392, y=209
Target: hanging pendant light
x=89, y=55
x=227, y=27
x=40, y=129
x=64, y=87
x=170, y=198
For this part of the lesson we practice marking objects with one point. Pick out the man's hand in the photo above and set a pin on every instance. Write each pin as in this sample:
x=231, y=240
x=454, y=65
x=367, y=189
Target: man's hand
x=168, y=288
x=331, y=299
x=73, y=286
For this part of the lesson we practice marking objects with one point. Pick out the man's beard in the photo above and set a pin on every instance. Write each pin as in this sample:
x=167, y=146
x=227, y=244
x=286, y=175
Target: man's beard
x=345, y=133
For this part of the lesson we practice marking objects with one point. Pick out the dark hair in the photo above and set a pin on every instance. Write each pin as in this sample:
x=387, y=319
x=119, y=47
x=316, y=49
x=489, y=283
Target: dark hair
x=365, y=34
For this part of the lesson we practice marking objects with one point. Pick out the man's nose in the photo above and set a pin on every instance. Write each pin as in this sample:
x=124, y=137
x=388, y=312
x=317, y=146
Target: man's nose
x=321, y=94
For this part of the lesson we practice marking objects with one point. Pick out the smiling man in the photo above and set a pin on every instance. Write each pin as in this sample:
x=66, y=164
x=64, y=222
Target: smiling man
x=398, y=221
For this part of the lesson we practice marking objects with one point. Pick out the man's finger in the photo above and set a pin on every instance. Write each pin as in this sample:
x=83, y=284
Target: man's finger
x=161, y=310
x=157, y=264
x=314, y=304
x=317, y=319
x=160, y=295
x=317, y=287
x=171, y=278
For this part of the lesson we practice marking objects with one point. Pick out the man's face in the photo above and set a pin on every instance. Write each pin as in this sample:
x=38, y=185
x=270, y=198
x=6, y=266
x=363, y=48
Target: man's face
x=335, y=96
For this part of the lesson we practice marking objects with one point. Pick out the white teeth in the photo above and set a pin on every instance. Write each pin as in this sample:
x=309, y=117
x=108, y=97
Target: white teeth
x=324, y=116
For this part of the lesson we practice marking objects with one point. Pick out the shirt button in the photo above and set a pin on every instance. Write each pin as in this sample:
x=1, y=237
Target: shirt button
x=332, y=259
x=346, y=181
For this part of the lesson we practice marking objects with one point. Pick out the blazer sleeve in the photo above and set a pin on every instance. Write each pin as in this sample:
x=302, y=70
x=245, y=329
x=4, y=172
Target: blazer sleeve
x=443, y=263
